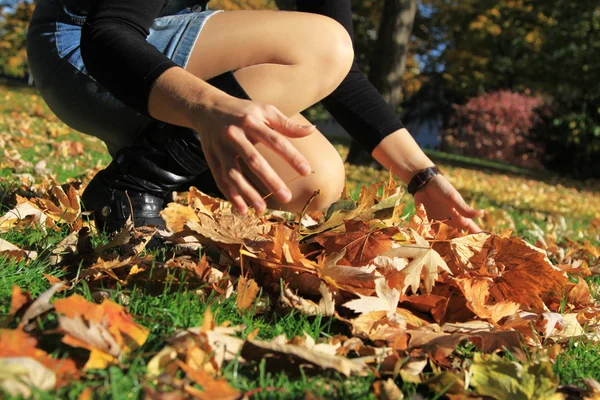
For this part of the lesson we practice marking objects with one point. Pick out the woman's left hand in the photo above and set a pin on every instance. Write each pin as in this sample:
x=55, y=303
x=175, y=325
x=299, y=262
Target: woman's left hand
x=443, y=202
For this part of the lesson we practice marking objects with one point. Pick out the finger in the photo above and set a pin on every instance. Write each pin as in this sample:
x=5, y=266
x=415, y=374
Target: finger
x=228, y=190
x=460, y=222
x=262, y=169
x=284, y=148
x=463, y=208
x=234, y=172
x=282, y=124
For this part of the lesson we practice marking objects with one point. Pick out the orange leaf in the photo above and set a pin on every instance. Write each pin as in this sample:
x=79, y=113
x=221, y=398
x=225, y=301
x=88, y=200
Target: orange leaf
x=107, y=330
x=18, y=299
x=17, y=343
x=213, y=388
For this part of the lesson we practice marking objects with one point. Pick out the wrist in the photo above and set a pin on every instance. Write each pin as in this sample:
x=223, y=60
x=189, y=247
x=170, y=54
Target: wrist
x=400, y=154
x=422, y=178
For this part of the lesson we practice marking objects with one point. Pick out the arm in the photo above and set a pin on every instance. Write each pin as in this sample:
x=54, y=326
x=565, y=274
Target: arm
x=116, y=53
x=361, y=110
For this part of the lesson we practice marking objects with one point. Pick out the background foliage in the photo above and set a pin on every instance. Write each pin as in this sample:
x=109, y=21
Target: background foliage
x=458, y=51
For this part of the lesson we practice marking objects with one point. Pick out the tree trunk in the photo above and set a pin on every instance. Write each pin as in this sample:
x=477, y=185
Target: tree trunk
x=389, y=60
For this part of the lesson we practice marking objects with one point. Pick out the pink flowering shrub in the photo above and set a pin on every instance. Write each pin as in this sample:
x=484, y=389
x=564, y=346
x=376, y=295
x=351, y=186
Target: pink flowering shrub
x=500, y=126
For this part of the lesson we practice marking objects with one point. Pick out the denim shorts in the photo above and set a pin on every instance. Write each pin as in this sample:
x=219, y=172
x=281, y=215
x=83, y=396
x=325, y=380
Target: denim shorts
x=75, y=97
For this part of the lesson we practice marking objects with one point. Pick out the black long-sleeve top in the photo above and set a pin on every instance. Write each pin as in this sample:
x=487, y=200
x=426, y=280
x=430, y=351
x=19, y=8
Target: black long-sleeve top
x=115, y=52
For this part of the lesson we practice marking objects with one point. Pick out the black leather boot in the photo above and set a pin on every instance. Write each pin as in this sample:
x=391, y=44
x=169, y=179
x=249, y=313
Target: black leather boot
x=142, y=177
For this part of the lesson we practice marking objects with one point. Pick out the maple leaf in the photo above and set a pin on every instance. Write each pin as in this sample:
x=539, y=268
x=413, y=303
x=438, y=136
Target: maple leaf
x=107, y=330
x=523, y=274
x=177, y=215
x=230, y=228
x=423, y=257
x=386, y=300
x=360, y=242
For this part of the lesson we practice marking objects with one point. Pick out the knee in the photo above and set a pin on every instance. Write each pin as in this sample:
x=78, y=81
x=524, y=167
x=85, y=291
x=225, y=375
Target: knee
x=329, y=178
x=335, y=53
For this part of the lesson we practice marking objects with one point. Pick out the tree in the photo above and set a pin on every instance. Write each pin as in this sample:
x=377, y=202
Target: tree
x=388, y=64
x=549, y=48
x=14, y=18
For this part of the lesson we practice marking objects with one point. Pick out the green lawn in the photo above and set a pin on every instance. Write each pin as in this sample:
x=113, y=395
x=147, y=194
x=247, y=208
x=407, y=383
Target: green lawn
x=514, y=199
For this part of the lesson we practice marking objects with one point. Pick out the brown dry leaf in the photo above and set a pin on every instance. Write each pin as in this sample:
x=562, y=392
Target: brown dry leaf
x=425, y=261
x=523, y=274
x=580, y=295
x=467, y=250
x=387, y=390
x=41, y=304
x=66, y=246
x=21, y=211
x=231, y=228
x=379, y=325
x=308, y=307
x=16, y=344
x=477, y=294
x=107, y=330
x=60, y=205
x=292, y=358
x=11, y=251
x=341, y=276
x=360, y=243
x=247, y=289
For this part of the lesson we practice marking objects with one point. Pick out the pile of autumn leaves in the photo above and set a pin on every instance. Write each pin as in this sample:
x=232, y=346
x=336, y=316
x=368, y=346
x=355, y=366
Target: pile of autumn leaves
x=410, y=292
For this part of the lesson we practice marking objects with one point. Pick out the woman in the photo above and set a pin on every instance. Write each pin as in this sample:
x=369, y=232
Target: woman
x=184, y=96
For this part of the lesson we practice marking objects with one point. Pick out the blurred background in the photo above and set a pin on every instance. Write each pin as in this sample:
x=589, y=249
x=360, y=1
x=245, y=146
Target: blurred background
x=511, y=81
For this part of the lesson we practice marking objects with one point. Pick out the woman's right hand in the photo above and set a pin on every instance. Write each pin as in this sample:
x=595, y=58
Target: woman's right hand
x=229, y=131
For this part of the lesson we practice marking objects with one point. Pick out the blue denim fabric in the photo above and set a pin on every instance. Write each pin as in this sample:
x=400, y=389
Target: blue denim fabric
x=71, y=93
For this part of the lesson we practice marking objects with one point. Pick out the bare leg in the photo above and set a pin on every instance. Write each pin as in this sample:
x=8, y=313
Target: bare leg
x=290, y=60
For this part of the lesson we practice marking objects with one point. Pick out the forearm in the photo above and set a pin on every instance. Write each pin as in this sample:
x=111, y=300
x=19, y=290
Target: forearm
x=178, y=97
x=399, y=153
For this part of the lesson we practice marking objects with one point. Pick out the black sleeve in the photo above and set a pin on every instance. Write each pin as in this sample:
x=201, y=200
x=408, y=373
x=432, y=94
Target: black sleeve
x=115, y=51
x=355, y=104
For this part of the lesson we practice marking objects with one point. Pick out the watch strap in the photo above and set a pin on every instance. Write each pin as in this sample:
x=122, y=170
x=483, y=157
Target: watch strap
x=422, y=178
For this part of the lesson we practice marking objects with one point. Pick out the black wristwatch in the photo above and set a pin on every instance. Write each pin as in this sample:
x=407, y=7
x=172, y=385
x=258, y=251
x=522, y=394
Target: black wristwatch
x=422, y=178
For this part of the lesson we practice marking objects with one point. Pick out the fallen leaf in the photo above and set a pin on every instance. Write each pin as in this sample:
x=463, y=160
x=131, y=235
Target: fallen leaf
x=293, y=358
x=19, y=374
x=387, y=390
x=360, y=243
x=247, y=289
x=502, y=379
x=212, y=388
x=386, y=300
x=107, y=330
x=424, y=258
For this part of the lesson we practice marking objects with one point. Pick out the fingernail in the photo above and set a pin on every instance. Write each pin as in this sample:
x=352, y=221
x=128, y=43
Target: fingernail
x=258, y=206
x=304, y=168
x=284, y=195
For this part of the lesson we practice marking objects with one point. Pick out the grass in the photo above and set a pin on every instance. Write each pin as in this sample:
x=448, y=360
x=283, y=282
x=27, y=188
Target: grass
x=513, y=198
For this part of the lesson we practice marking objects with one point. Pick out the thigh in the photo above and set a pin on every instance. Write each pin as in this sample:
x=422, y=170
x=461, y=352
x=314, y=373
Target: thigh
x=237, y=39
